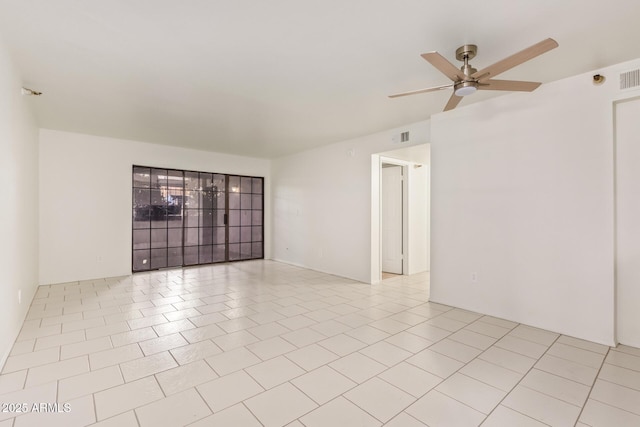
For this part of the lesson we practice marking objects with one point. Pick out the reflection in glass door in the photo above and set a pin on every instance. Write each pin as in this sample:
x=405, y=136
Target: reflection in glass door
x=183, y=218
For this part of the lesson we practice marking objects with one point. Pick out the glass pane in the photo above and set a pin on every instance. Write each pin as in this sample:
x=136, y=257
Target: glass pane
x=245, y=185
x=234, y=218
x=141, y=218
x=192, y=199
x=158, y=178
x=219, y=182
x=174, y=237
x=158, y=218
x=219, y=235
x=234, y=184
x=234, y=201
x=219, y=200
x=158, y=258
x=256, y=188
x=256, y=250
x=206, y=254
x=206, y=218
x=234, y=251
x=206, y=181
x=218, y=217
x=245, y=234
x=256, y=217
x=141, y=198
x=191, y=255
x=218, y=253
x=234, y=234
x=141, y=239
x=256, y=234
x=174, y=257
x=245, y=201
x=191, y=181
x=245, y=217
x=159, y=238
x=157, y=197
x=141, y=177
x=256, y=201
x=245, y=250
x=190, y=236
x=192, y=217
x=206, y=236
x=141, y=260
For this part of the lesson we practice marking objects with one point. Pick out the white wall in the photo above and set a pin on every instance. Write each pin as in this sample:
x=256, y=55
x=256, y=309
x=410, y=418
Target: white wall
x=85, y=199
x=19, y=196
x=322, y=204
x=522, y=195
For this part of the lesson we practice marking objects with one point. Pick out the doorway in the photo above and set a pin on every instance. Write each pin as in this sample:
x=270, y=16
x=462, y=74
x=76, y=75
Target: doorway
x=392, y=223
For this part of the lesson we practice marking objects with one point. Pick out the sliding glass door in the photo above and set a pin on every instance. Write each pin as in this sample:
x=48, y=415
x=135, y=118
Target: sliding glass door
x=183, y=218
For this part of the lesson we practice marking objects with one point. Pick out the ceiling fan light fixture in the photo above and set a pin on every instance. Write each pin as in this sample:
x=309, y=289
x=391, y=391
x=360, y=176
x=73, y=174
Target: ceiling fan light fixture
x=465, y=88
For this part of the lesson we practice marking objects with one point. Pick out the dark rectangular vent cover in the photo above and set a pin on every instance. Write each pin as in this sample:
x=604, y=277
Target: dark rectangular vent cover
x=404, y=136
x=630, y=79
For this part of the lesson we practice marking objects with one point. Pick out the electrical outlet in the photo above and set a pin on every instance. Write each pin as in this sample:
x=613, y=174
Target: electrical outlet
x=474, y=277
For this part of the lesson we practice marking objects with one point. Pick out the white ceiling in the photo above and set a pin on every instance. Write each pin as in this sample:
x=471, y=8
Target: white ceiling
x=267, y=78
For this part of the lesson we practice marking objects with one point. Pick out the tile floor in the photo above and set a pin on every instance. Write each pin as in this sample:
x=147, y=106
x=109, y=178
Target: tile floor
x=262, y=343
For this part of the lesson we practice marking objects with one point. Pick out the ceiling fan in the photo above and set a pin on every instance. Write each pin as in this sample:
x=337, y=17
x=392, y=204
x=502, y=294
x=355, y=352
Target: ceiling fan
x=466, y=79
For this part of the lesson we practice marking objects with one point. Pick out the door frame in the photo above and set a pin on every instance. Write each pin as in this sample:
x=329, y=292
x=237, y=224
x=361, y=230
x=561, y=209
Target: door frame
x=376, y=208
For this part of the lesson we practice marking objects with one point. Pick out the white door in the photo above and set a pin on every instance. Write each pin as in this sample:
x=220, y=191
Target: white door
x=391, y=219
x=628, y=222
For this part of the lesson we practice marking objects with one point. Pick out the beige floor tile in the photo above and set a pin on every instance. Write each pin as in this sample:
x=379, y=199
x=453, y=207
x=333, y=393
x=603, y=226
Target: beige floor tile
x=616, y=395
x=323, y=384
x=462, y=315
x=303, y=337
x=167, y=342
x=296, y=322
x=68, y=351
x=342, y=344
x=494, y=375
x=429, y=332
x=505, y=417
x=410, y=378
x=435, y=363
x=567, y=369
x=367, y=334
x=473, y=393
x=91, y=382
x=578, y=355
x=184, y=377
x=226, y=391
x=436, y=409
x=357, y=367
x=231, y=361
x=446, y=323
x=274, y=372
x=179, y=409
x=534, y=334
x=145, y=322
x=380, y=399
x=128, y=419
x=58, y=340
x=311, y=357
x=142, y=367
x=28, y=333
x=585, y=345
x=202, y=333
x=12, y=382
x=487, y=329
x=472, y=339
x=126, y=397
x=234, y=340
x=30, y=360
x=193, y=352
x=624, y=360
x=115, y=356
x=280, y=405
x=522, y=346
x=110, y=329
x=409, y=342
x=541, y=407
x=555, y=386
x=339, y=412
x=615, y=374
x=271, y=348
x=38, y=394
x=404, y=420
x=508, y=359
x=135, y=336
x=237, y=415
x=597, y=414
x=82, y=324
x=455, y=350
x=330, y=328
x=57, y=371
x=385, y=353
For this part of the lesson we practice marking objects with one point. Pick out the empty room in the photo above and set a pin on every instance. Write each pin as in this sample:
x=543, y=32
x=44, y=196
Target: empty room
x=319, y=213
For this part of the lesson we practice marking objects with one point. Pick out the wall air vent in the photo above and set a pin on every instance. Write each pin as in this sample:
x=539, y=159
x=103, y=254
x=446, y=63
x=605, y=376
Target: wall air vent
x=404, y=136
x=630, y=79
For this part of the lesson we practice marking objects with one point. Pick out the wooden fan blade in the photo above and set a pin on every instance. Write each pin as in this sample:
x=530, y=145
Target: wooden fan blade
x=414, y=92
x=453, y=102
x=512, y=85
x=444, y=66
x=515, y=59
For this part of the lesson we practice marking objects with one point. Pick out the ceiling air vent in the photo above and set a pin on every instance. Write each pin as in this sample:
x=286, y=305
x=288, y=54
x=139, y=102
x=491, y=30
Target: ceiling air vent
x=404, y=136
x=630, y=79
